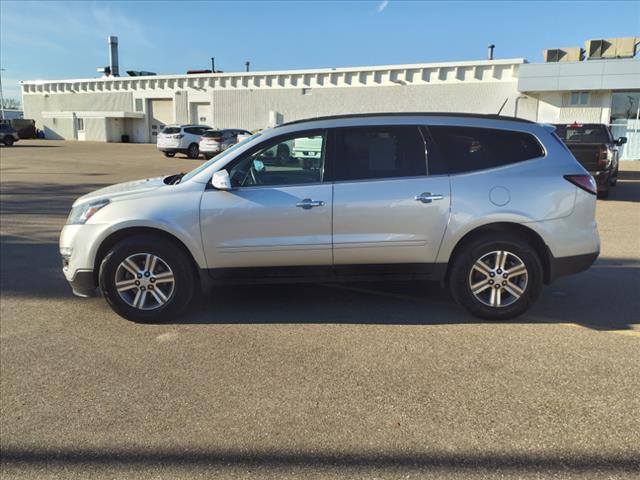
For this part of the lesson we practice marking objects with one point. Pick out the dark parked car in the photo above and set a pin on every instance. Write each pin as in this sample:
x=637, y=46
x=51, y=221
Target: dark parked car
x=594, y=147
x=8, y=135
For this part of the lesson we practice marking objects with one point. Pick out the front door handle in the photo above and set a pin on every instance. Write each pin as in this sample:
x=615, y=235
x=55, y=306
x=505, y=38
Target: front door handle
x=428, y=197
x=307, y=203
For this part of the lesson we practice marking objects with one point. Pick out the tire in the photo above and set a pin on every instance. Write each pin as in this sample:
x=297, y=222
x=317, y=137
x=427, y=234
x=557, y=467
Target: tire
x=193, y=151
x=171, y=277
x=170, y=154
x=613, y=179
x=526, y=285
x=8, y=141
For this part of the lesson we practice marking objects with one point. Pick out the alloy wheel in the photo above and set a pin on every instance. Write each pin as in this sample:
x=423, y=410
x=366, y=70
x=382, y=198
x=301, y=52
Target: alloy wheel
x=498, y=278
x=144, y=281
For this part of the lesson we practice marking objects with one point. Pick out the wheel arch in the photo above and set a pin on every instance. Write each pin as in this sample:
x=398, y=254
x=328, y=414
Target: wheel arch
x=525, y=233
x=112, y=239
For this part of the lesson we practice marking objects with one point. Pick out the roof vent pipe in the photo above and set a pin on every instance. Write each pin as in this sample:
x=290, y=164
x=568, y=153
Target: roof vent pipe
x=113, y=56
x=490, y=48
x=247, y=65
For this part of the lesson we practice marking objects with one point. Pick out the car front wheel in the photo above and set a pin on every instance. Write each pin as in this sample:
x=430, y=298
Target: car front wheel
x=8, y=141
x=496, y=277
x=147, y=279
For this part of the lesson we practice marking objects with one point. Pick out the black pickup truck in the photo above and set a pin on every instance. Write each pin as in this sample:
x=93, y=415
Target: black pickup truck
x=594, y=147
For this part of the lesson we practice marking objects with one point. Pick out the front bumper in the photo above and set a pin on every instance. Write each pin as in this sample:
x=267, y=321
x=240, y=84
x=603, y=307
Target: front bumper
x=84, y=283
x=602, y=179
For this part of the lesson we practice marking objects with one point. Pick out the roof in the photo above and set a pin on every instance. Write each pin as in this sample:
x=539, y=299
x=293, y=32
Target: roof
x=410, y=114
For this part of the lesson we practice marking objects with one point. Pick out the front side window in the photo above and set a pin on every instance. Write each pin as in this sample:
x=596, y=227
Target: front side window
x=465, y=149
x=379, y=152
x=280, y=164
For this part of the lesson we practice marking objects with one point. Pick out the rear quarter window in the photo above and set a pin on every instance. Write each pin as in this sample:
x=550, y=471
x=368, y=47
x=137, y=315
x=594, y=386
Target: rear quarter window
x=465, y=149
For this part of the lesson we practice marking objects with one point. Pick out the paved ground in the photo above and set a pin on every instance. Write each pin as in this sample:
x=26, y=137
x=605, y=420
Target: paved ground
x=314, y=381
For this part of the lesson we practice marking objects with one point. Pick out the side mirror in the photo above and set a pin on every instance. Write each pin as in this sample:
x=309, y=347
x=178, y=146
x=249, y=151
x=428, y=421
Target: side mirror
x=221, y=180
x=621, y=141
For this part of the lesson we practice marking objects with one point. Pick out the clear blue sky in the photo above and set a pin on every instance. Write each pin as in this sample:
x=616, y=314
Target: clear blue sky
x=52, y=40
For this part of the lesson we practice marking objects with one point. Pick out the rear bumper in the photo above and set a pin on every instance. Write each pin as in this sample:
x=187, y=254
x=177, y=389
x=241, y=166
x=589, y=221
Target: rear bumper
x=172, y=150
x=561, y=266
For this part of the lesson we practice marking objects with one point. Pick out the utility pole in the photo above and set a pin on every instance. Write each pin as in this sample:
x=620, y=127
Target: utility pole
x=1, y=96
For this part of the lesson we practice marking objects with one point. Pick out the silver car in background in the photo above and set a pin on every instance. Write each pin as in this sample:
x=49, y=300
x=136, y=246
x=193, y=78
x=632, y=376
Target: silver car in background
x=495, y=207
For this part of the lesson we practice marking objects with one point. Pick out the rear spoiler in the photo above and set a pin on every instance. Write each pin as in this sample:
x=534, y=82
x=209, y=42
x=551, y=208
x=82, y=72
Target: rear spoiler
x=548, y=127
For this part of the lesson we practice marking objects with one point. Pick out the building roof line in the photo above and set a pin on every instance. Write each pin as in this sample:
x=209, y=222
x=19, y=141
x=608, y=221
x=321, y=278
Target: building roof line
x=313, y=71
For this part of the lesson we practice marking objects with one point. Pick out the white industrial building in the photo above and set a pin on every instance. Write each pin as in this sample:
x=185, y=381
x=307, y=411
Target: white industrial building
x=563, y=89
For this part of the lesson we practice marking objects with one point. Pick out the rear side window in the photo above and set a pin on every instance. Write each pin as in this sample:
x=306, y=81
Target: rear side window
x=170, y=130
x=194, y=130
x=465, y=149
x=379, y=152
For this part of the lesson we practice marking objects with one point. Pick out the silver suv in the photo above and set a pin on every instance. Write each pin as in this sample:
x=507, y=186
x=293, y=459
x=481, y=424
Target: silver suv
x=493, y=206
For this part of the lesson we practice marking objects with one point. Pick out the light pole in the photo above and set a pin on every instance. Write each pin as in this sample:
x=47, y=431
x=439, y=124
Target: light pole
x=1, y=96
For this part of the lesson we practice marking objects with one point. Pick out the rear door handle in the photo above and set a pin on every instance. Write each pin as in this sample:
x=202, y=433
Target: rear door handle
x=428, y=197
x=307, y=203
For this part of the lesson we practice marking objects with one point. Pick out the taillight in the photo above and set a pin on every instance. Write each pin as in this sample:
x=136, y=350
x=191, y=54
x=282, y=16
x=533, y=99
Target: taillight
x=603, y=157
x=585, y=182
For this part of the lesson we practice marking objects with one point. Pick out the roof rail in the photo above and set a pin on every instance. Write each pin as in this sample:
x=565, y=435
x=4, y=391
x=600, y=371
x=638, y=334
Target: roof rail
x=409, y=114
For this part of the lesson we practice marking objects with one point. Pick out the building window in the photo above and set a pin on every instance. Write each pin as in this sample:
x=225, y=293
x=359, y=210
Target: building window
x=579, y=98
x=80, y=124
x=306, y=91
x=138, y=104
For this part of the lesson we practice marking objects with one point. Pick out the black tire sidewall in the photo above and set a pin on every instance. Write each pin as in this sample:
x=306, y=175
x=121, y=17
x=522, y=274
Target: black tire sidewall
x=192, y=149
x=169, y=253
x=459, y=279
x=8, y=141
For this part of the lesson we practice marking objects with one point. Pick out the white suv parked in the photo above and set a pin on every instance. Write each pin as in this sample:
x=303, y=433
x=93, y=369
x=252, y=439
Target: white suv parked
x=493, y=206
x=181, y=139
x=215, y=141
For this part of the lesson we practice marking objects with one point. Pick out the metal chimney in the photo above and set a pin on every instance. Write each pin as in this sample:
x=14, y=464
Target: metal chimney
x=247, y=65
x=490, y=48
x=113, y=56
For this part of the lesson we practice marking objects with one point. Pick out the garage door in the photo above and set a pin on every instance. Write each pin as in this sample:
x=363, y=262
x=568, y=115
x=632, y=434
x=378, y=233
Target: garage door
x=201, y=114
x=161, y=113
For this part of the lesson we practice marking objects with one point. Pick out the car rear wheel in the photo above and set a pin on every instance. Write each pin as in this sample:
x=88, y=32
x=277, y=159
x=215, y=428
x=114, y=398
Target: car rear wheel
x=496, y=277
x=169, y=154
x=8, y=141
x=147, y=279
x=193, y=151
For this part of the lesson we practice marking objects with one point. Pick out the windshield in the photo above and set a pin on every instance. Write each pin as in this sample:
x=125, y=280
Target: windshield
x=170, y=130
x=585, y=133
x=205, y=165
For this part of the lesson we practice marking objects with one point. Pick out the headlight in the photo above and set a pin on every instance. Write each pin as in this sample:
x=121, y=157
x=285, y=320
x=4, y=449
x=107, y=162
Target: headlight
x=80, y=214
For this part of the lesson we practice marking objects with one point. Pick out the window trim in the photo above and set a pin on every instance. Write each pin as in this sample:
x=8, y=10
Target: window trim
x=273, y=141
x=417, y=126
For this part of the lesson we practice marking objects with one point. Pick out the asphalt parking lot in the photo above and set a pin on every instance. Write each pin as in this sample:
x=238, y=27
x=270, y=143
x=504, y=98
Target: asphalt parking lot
x=313, y=381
